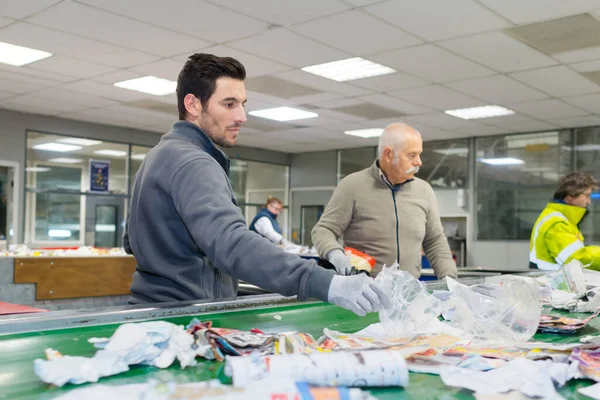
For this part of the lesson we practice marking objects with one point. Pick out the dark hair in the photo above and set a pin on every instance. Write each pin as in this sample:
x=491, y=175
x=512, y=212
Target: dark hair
x=271, y=200
x=199, y=76
x=574, y=184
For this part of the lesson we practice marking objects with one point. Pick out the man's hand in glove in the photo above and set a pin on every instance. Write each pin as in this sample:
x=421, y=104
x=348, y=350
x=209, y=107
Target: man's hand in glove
x=340, y=261
x=358, y=293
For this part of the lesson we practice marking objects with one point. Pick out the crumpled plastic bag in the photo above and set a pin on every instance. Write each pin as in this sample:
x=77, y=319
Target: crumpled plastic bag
x=508, y=312
x=156, y=343
x=412, y=308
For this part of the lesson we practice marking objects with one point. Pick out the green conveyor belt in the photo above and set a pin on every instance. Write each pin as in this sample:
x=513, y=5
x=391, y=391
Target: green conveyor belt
x=17, y=352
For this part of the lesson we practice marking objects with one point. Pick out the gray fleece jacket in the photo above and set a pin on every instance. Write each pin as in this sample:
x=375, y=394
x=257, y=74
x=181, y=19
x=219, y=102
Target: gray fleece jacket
x=188, y=236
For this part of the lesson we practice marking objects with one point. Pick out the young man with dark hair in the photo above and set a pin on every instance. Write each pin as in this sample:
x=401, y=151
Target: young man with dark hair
x=556, y=239
x=188, y=236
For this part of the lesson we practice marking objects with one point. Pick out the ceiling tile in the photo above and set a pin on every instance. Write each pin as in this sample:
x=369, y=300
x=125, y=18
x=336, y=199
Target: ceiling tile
x=21, y=84
x=106, y=90
x=73, y=46
x=27, y=71
x=431, y=63
x=498, y=89
x=316, y=98
x=587, y=66
x=477, y=129
x=196, y=18
x=346, y=102
x=576, y=122
x=285, y=12
x=35, y=104
x=437, y=97
x=385, y=83
x=499, y=51
x=5, y=21
x=405, y=107
x=83, y=100
x=166, y=69
x=518, y=123
x=323, y=84
x=340, y=32
x=76, y=68
x=96, y=24
x=362, y=3
x=20, y=9
x=557, y=81
x=302, y=53
x=438, y=19
x=590, y=103
x=592, y=53
x=117, y=76
x=255, y=66
x=525, y=11
x=340, y=115
x=439, y=120
x=547, y=109
x=6, y=95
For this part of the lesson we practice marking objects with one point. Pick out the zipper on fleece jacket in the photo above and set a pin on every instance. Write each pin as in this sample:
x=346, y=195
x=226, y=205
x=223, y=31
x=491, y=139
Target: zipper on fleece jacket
x=397, y=223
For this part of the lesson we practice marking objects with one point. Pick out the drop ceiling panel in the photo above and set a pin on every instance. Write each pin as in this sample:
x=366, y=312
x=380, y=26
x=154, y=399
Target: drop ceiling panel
x=478, y=129
x=73, y=46
x=319, y=83
x=431, y=63
x=72, y=67
x=437, y=97
x=6, y=95
x=438, y=19
x=518, y=123
x=362, y=3
x=576, y=122
x=527, y=11
x=255, y=66
x=439, y=120
x=118, y=76
x=587, y=66
x=33, y=104
x=285, y=12
x=590, y=103
x=106, y=91
x=547, y=109
x=5, y=21
x=19, y=84
x=196, y=18
x=278, y=87
x=340, y=31
x=369, y=111
x=386, y=83
x=404, y=107
x=292, y=49
x=27, y=71
x=83, y=100
x=498, y=51
x=498, y=89
x=557, y=81
x=20, y=9
x=348, y=101
x=338, y=115
x=311, y=99
x=592, y=53
x=96, y=24
x=166, y=69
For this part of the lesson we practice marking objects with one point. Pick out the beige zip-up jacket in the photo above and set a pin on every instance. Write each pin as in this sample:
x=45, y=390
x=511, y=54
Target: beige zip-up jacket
x=385, y=221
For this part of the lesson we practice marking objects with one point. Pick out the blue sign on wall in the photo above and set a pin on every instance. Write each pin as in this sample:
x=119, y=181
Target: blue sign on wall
x=99, y=171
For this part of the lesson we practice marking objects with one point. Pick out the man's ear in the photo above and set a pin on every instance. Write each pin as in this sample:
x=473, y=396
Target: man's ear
x=192, y=105
x=388, y=154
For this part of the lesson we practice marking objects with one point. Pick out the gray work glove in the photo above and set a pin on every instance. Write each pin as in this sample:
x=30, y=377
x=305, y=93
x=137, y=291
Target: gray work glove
x=340, y=261
x=358, y=293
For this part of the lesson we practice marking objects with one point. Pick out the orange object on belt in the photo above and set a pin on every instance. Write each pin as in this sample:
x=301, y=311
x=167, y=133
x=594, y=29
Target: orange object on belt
x=360, y=260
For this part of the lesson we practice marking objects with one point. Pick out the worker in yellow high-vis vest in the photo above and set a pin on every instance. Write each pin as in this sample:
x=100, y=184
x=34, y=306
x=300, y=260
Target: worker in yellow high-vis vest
x=556, y=239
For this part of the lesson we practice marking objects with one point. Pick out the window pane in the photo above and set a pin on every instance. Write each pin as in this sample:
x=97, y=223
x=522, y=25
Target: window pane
x=587, y=154
x=516, y=176
x=353, y=160
x=445, y=163
x=57, y=217
x=47, y=150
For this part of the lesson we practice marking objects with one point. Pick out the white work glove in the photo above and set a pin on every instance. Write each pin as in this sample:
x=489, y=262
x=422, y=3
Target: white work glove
x=357, y=293
x=340, y=261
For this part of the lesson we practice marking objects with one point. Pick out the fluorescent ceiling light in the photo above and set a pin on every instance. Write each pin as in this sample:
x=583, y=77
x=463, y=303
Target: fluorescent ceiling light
x=65, y=160
x=37, y=169
x=18, y=55
x=138, y=157
x=480, y=112
x=149, y=84
x=349, y=69
x=283, y=114
x=453, y=151
x=112, y=153
x=365, y=133
x=80, y=141
x=61, y=233
x=56, y=147
x=587, y=147
x=502, y=161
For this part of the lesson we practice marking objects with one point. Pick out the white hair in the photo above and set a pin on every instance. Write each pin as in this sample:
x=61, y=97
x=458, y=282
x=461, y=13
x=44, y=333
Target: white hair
x=394, y=136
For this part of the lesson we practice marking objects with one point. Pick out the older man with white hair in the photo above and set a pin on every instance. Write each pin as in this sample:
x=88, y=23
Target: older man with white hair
x=386, y=212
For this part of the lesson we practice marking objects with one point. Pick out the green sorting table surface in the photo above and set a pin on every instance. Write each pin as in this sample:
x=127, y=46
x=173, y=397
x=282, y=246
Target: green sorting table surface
x=17, y=352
